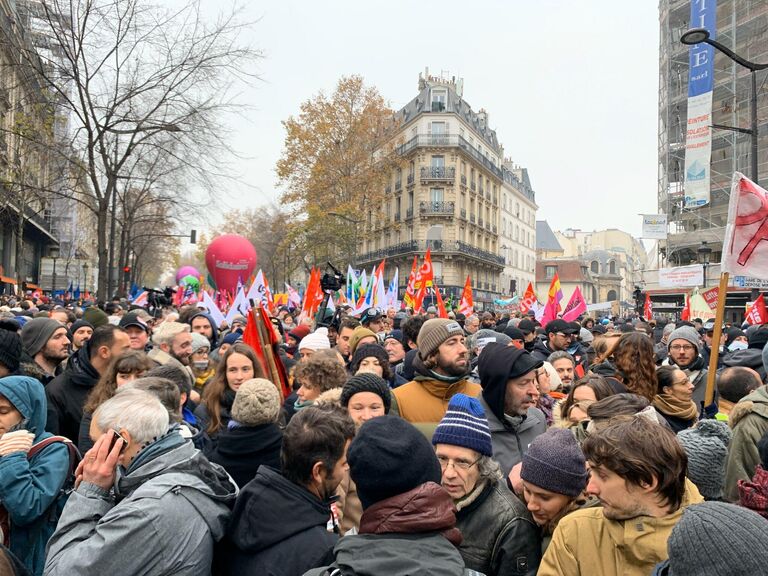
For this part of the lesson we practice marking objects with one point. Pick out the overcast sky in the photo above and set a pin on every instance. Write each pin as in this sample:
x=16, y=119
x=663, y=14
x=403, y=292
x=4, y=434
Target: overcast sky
x=571, y=88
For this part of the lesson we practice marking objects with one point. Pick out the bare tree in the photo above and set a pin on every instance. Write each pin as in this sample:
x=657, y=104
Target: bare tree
x=137, y=79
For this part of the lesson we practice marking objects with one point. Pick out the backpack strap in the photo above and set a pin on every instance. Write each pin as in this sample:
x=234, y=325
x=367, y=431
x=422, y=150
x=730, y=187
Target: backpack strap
x=47, y=442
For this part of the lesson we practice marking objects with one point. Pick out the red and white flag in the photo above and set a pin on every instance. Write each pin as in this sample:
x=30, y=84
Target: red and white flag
x=466, y=305
x=648, y=308
x=757, y=312
x=529, y=299
x=745, y=249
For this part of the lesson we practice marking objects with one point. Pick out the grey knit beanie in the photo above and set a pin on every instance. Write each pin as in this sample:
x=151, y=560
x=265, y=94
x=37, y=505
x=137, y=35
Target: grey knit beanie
x=716, y=538
x=554, y=461
x=434, y=332
x=37, y=332
x=707, y=448
x=685, y=333
x=257, y=402
x=199, y=342
x=485, y=336
x=367, y=382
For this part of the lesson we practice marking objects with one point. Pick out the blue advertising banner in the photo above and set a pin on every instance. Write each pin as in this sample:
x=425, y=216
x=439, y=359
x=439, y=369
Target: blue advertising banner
x=698, y=140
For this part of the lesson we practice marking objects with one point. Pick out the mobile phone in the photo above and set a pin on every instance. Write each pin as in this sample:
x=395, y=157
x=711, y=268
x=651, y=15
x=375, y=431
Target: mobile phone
x=115, y=435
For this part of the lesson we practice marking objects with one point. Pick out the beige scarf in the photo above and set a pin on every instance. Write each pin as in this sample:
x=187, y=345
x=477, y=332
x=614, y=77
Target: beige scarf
x=672, y=406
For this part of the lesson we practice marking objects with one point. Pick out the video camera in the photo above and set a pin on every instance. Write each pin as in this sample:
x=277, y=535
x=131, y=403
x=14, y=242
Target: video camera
x=332, y=282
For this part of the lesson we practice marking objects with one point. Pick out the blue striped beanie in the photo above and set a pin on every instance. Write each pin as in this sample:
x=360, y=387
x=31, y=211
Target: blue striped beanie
x=465, y=424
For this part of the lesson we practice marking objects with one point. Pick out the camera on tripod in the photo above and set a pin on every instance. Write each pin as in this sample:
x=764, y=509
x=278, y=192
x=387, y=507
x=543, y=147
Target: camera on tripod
x=332, y=282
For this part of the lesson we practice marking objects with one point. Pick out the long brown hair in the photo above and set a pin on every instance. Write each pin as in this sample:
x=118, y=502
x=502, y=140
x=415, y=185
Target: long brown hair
x=636, y=361
x=213, y=393
x=604, y=347
x=597, y=383
x=129, y=362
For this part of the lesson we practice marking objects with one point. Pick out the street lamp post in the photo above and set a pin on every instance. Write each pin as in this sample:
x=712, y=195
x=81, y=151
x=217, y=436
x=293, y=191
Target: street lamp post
x=53, y=253
x=699, y=35
x=85, y=274
x=704, y=254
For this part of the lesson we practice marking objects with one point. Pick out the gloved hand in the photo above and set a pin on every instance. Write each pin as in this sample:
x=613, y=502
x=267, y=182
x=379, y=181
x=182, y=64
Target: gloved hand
x=18, y=441
x=708, y=412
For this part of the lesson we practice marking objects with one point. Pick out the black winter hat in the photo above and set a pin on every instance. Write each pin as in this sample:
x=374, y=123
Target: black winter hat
x=514, y=333
x=366, y=350
x=367, y=382
x=10, y=350
x=496, y=366
x=389, y=457
x=758, y=338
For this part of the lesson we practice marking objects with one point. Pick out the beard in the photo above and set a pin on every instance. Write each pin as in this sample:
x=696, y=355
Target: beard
x=451, y=368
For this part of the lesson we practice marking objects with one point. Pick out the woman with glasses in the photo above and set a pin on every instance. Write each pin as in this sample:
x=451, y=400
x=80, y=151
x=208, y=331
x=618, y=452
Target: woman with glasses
x=499, y=535
x=548, y=384
x=674, y=398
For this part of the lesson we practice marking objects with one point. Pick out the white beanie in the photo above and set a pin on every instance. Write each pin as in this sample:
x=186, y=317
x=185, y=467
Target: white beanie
x=318, y=340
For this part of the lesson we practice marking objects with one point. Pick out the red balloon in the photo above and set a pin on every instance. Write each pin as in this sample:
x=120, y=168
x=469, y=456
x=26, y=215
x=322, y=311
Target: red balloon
x=230, y=258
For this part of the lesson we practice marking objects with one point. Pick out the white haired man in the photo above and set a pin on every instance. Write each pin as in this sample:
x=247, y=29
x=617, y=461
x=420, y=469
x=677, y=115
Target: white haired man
x=162, y=515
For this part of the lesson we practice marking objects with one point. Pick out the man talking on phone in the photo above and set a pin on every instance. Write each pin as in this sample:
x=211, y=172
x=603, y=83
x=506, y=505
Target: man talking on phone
x=140, y=491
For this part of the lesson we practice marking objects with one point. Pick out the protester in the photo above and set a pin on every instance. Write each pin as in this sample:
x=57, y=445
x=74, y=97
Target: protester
x=684, y=345
x=373, y=320
x=280, y=520
x=202, y=323
x=200, y=362
x=706, y=445
x=565, y=366
x=67, y=393
x=558, y=337
x=573, y=409
x=637, y=471
x=673, y=399
x=162, y=515
x=238, y=364
x=80, y=332
x=173, y=344
x=137, y=330
x=360, y=336
x=10, y=350
x=749, y=422
x=45, y=344
x=499, y=536
x=635, y=363
x=34, y=469
x=123, y=368
x=737, y=539
x=316, y=375
x=408, y=524
x=395, y=347
x=294, y=338
x=364, y=396
x=441, y=367
x=343, y=340
x=252, y=437
x=471, y=324
x=733, y=384
x=508, y=377
x=553, y=479
x=310, y=344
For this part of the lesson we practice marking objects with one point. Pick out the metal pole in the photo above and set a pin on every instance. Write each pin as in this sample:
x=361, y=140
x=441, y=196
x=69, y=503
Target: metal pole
x=753, y=112
x=53, y=280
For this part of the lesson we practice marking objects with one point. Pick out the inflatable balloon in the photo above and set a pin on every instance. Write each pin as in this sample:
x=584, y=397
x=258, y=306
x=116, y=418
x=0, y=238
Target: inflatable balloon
x=230, y=258
x=186, y=271
x=190, y=282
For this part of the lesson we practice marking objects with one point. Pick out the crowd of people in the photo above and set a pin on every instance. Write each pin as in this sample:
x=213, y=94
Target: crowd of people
x=409, y=444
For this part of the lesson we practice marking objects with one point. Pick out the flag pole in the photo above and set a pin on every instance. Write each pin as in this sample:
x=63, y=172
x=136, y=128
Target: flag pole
x=716, y=336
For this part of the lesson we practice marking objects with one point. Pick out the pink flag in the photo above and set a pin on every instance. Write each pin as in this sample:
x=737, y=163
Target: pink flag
x=745, y=251
x=576, y=306
x=550, y=312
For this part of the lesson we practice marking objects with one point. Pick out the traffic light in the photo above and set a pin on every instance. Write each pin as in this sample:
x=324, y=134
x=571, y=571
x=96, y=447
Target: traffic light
x=126, y=273
x=193, y=237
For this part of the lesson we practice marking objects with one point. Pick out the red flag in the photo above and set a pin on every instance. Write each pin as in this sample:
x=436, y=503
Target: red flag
x=425, y=275
x=686, y=313
x=441, y=311
x=410, y=288
x=466, y=305
x=529, y=299
x=418, y=300
x=648, y=307
x=251, y=337
x=757, y=312
x=576, y=306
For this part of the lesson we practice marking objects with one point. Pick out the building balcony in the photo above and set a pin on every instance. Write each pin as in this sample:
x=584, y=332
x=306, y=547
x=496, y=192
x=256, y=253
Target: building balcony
x=439, y=247
x=398, y=185
x=397, y=216
x=409, y=214
x=436, y=208
x=438, y=174
x=449, y=141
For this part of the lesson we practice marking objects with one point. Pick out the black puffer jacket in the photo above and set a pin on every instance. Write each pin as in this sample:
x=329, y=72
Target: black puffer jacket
x=241, y=450
x=66, y=395
x=500, y=537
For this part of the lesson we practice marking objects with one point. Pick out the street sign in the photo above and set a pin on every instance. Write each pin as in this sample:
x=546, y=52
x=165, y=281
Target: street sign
x=749, y=282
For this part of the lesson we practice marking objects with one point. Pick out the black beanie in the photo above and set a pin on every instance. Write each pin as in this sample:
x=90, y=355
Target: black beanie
x=366, y=351
x=10, y=350
x=496, y=366
x=367, y=382
x=388, y=457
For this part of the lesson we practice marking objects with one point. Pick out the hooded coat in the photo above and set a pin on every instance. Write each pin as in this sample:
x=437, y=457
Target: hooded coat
x=412, y=533
x=163, y=517
x=510, y=435
x=749, y=421
x=29, y=487
x=586, y=542
x=214, y=329
x=278, y=528
x=67, y=393
x=242, y=449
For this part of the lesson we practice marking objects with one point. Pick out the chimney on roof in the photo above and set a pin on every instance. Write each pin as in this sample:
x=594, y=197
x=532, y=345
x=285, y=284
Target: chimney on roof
x=482, y=116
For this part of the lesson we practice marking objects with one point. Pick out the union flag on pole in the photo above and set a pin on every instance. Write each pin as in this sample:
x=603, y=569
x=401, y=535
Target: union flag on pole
x=648, y=307
x=410, y=288
x=441, y=311
x=425, y=274
x=686, y=313
x=745, y=250
x=466, y=305
x=757, y=312
x=529, y=299
x=576, y=306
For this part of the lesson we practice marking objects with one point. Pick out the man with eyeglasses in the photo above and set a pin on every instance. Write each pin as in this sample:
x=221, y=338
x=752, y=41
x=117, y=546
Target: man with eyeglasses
x=499, y=535
x=373, y=319
x=684, y=347
x=560, y=335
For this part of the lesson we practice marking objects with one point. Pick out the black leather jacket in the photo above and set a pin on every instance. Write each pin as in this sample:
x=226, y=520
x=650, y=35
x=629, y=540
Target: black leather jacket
x=500, y=538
